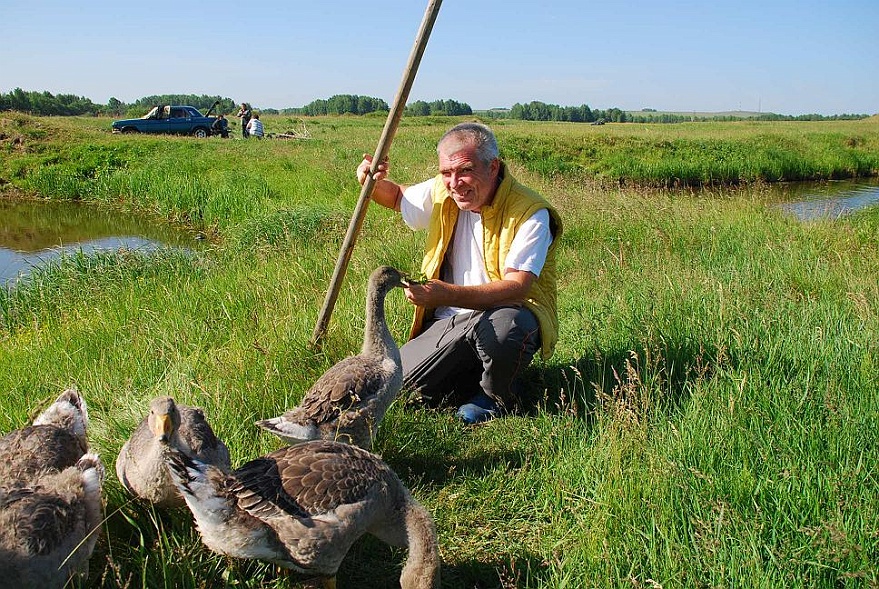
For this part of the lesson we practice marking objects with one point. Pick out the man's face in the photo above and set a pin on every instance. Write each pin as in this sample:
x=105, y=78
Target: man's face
x=471, y=183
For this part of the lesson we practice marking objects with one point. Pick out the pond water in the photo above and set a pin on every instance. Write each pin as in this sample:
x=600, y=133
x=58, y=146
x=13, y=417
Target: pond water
x=36, y=232
x=827, y=200
x=33, y=233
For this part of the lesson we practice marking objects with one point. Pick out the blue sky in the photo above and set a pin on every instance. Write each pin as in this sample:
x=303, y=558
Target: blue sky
x=773, y=56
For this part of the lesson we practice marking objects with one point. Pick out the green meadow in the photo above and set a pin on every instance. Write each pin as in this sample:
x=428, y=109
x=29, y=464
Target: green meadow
x=710, y=417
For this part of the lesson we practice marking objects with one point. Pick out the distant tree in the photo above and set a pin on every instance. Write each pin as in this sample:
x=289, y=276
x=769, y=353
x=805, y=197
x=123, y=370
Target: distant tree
x=45, y=103
x=115, y=106
x=341, y=104
x=419, y=108
x=20, y=100
x=539, y=111
x=315, y=108
x=447, y=107
x=450, y=107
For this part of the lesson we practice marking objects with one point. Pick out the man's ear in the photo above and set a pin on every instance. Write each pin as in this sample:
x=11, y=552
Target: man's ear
x=495, y=166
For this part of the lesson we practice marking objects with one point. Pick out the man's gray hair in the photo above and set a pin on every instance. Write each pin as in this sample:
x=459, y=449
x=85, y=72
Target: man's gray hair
x=477, y=134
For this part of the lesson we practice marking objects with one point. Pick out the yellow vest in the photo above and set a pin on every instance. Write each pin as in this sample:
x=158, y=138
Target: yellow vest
x=513, y=204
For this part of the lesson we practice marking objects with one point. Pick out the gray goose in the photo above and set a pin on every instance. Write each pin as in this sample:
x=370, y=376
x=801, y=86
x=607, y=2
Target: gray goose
x=56, y=440
x=349, y=401
x=302, y=508
x=140, y=466
x=50, y=497
x=49, y=525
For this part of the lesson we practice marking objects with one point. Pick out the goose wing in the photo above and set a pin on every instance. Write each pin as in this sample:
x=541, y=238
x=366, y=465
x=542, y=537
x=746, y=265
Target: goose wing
x=199, y=436
x=350, y=384
x=307, y=480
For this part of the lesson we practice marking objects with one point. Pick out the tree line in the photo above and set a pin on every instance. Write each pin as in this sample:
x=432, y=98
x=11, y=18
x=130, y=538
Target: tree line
x=539, y=111
x=48, y=104
x=341, y=104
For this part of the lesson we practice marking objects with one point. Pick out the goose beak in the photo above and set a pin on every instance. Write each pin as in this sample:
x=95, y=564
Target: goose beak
x=163, y=427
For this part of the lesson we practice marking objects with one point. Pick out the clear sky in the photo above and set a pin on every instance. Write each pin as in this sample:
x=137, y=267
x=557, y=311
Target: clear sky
x=782, y=56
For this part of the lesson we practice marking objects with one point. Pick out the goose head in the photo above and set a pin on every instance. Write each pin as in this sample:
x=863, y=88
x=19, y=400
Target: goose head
x=68, y=412
x=164, y=418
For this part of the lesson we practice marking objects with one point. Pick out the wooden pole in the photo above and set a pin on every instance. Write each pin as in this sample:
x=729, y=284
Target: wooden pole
x=381, y=152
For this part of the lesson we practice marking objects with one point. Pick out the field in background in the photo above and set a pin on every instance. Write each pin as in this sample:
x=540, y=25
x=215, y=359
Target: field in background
x=709, y=417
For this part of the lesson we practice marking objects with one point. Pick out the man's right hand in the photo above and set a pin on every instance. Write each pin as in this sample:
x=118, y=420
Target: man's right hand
x=365, y=165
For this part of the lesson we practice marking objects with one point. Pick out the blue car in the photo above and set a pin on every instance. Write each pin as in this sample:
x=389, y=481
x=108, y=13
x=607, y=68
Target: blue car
x=164, y=118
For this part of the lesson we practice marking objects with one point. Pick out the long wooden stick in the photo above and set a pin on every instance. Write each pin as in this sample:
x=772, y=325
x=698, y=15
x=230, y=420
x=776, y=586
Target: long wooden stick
x=381, y=152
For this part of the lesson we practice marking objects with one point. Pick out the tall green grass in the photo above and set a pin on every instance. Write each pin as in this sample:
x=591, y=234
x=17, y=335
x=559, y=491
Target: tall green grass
x=699, y=154
x=709, y=418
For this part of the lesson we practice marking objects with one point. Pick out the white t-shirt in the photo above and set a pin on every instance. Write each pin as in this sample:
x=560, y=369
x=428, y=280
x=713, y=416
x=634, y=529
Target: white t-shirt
x=466, y=259
x=255, y=128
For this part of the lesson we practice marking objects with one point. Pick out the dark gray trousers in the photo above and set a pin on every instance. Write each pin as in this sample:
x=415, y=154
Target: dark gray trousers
x=454, y=358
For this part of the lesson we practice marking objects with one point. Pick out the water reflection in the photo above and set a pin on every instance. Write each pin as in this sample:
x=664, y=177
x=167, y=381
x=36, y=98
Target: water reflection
x=828, y=200
x=33, y=233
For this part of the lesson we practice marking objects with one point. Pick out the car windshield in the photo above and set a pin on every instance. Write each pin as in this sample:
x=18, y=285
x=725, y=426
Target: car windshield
x=158, y=112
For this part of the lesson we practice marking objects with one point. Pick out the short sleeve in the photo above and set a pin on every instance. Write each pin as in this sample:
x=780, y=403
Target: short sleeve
x=531, y=244
x=416, y=205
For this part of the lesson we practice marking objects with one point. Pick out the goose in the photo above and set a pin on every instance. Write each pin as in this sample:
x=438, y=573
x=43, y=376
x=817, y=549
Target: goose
x=54, y=441
x=49, y=525
x=349, y=401
x=140, y=466
x=302, y=508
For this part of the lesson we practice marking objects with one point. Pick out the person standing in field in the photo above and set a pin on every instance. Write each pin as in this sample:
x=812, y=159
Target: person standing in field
x=254, y=127
x=489, y=302
x=244, y=113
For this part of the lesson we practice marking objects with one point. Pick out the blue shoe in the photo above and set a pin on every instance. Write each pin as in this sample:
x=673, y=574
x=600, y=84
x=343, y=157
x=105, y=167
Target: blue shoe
x=478, y=409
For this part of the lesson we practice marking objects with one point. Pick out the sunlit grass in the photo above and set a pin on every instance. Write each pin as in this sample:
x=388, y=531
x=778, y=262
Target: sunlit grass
x=708, y=420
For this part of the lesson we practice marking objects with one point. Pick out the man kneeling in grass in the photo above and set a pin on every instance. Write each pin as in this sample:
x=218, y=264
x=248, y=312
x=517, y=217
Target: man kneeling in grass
x=490, y=299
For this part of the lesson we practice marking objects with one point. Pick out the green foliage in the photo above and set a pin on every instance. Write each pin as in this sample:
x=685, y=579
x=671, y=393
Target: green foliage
x=539, y=111
x=420, y=108
x=699, y=154
x=45, y=103
x=291, y=228
x=341, y=104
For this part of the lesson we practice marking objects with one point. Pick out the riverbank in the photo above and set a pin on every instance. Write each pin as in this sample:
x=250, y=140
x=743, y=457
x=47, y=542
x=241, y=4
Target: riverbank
x=44, y=157
x=708, y=418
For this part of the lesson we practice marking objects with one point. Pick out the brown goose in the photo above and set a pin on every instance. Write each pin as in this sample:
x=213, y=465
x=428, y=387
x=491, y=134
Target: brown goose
x=49, y=525
x=302, y=507
x=55, y=440
x=140, y=466
x=50, y=497
x=349, y=401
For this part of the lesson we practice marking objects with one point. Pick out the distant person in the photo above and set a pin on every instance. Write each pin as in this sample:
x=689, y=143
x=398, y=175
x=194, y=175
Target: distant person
x=245, y=113
x=254, y=127
x=220, y=126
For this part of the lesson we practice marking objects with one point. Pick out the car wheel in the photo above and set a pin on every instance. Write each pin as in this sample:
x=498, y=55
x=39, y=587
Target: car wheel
x=200, y=132
x=129, y=130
